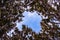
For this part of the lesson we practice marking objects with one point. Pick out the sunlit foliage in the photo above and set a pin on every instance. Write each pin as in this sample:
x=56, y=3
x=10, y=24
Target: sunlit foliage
x=11, y=11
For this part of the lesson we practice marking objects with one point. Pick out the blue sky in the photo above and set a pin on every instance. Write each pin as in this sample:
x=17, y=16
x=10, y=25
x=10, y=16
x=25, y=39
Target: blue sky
x=32, y=20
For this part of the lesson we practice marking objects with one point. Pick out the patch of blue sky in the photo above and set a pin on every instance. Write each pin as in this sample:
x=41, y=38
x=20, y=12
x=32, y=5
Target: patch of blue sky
x=32, y=20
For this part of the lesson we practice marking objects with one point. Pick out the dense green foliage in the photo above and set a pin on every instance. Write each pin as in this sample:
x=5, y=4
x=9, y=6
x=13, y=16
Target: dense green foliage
x=11, y=11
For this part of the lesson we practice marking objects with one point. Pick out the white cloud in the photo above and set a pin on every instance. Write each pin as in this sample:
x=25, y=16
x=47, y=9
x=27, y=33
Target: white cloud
x=31, y=14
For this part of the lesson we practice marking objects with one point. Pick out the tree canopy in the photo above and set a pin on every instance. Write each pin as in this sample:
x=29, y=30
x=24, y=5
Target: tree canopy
x=11, y=10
